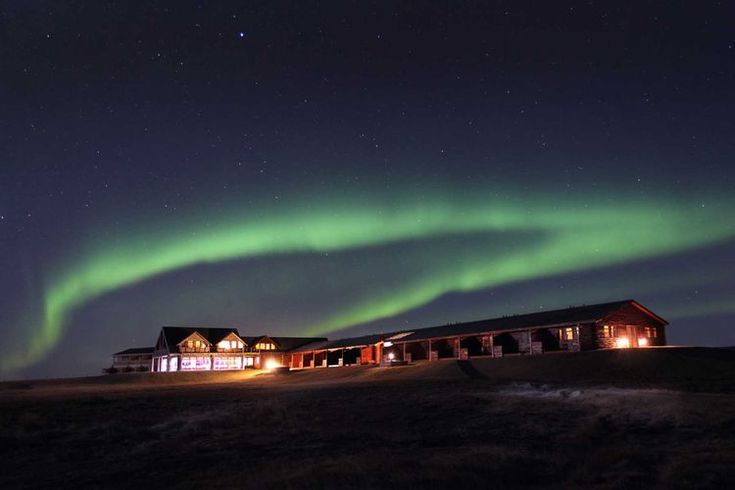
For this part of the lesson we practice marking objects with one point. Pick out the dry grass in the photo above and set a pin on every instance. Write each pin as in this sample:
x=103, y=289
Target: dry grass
x=412, y=427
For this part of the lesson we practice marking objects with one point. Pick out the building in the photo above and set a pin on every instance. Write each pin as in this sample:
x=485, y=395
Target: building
x=220, y=349
x=129, y=360
x=620, y=324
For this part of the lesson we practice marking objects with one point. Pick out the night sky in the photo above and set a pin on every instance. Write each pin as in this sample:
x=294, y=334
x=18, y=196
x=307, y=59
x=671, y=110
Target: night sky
x=352, y=167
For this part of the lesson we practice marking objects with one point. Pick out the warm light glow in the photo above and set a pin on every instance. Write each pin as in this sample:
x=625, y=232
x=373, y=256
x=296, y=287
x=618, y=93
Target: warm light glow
x=391, y=356
x=642, y=342
x=227, y=362
x=271, y=364
x=622, y=343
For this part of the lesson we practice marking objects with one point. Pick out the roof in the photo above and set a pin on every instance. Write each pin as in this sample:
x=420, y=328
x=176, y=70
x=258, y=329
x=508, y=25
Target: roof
x=289, y=343
x=135, y=350
x=575, y=314
x=365, y=340
x=571, y=315
x=174, y=335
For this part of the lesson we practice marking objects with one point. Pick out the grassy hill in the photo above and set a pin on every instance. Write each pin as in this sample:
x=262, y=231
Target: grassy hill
x=657, y=417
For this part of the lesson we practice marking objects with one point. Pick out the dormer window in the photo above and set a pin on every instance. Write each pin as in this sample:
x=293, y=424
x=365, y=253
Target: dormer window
x=195, y=343
x=230, y=344
x=265, y=346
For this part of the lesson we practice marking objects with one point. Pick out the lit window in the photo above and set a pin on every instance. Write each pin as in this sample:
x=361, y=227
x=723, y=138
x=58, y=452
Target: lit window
x=224, y=363
x=190, y=344
x=606, y=331
x=569, y=333
x=655, y=332
x=195, y=363
x=188, y=363
x=648, y=331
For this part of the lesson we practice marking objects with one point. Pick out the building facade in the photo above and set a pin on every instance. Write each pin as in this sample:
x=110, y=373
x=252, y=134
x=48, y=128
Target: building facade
x=138, y=359
x=620, y=324
x=616, y=325
x=220, y=349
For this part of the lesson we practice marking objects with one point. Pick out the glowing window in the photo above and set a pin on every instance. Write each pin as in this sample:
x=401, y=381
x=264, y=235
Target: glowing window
x=569, y=333
x=605, y=331
x=225, y=363
x=655, y=332
x=195, y=363
x=190, y=344
x=648, y=331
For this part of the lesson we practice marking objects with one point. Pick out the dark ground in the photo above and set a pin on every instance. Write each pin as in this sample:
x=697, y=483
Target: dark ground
x=660, y=418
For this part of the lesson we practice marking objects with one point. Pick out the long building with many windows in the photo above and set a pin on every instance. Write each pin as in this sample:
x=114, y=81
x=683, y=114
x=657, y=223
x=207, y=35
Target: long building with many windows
x=620, y=324
x=616, y=325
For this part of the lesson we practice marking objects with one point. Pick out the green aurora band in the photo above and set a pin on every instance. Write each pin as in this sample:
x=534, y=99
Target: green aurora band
x=573, y=234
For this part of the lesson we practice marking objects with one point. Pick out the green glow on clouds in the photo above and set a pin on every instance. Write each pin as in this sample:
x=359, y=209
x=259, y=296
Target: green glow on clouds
x=573, y=234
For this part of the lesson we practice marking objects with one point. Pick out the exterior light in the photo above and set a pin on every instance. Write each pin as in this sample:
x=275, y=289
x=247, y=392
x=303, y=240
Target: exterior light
x=387, y=344
x=391, y=356
x=622, y=343
x=271, y=364
x=642, y=342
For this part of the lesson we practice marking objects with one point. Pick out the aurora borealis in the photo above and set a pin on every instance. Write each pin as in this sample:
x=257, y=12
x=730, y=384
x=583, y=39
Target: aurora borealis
x=331, y=180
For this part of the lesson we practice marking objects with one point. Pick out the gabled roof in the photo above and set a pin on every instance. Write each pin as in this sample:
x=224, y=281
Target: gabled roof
x=174, y=335
x=571, y=315
x=135, y=350
x=251, y=341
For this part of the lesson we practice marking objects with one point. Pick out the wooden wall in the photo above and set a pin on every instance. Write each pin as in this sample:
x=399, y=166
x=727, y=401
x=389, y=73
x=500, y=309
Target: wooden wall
x=629, y=316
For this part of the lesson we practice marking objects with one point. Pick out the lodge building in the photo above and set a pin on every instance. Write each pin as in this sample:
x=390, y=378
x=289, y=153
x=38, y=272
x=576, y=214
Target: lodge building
x=220, y=349
x=620, y=324
x=135, y=359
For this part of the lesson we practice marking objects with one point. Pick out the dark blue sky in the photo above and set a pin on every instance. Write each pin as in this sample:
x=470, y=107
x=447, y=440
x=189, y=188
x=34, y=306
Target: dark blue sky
x=132, y=128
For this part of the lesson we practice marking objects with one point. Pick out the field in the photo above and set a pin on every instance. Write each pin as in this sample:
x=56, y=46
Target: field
x=661, y=418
